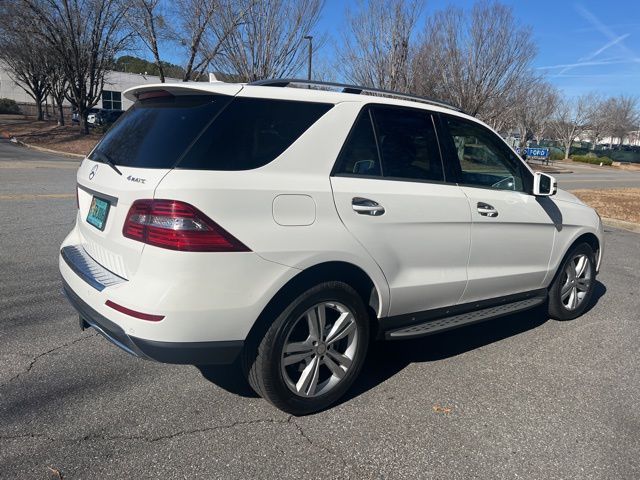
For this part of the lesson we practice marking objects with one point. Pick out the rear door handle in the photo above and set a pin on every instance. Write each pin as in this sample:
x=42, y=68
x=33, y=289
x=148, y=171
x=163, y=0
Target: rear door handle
x=487, y=210
x=364, y=206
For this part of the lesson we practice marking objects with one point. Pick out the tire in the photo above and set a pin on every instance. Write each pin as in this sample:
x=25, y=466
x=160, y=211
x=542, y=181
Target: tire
x=291, y=349
x=572, y=288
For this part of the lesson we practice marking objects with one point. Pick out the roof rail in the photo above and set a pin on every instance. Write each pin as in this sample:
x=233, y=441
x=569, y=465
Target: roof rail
x=285, y=82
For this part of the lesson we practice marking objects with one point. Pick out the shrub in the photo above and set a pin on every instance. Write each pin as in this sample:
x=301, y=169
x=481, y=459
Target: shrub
x=9, y=106
x=556, y=155
x=592, y=159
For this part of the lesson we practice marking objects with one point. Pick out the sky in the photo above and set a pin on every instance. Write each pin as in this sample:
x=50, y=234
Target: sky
x=584, y=46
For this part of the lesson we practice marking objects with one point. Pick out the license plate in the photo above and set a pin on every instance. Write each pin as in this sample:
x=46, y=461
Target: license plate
x=98, y=213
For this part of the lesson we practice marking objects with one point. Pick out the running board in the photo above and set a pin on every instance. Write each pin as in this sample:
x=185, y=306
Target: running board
x=448, y=323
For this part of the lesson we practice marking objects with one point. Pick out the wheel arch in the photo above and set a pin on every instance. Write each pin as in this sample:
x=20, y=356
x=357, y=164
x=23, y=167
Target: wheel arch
x=351, y=274
x=590, y=239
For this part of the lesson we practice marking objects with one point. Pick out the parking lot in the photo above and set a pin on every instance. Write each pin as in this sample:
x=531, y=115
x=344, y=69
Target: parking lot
x=522, y=396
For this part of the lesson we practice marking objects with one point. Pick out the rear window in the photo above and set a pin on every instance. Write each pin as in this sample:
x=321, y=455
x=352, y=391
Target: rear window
x=155, y=133
x=251, y=132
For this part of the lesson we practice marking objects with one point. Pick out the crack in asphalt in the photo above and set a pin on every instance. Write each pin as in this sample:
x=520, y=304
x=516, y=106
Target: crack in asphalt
x=144, y=438
x=304, y=435
x=35, y=359
x=288, y=421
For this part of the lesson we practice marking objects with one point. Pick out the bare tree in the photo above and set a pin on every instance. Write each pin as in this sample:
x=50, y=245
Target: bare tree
x=502, y=112
x=84, y=37
x=269, y=41
x=147, y=20
x=202, y=28
x=536, y=106
x=471, y=58
x=623, y=116
x=377, y=50
x=24, y=55
x=58, y=86
x=571, y=119
x=599, y=119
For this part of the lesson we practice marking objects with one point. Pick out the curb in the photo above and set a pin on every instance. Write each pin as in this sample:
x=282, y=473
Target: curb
x=629, y=226
x=48, y=150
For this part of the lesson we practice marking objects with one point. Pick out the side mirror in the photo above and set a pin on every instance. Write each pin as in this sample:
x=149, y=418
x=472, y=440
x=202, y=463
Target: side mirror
x=544, y=185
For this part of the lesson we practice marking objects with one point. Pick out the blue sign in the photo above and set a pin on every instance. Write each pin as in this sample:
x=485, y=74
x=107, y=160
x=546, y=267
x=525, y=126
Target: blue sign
x=537, y=152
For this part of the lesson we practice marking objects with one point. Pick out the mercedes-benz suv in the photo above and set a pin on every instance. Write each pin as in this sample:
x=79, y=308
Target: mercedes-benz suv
x=285, y=228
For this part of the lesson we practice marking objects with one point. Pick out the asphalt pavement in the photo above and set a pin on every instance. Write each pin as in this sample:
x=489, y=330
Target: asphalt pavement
x=518, y=397
x=585, y=176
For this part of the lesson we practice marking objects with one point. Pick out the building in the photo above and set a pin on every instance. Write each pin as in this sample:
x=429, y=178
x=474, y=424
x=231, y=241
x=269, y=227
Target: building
x=112, y=98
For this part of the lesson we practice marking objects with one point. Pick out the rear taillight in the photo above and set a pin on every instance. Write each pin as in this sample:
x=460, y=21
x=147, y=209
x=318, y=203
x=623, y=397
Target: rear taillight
x=177, y=226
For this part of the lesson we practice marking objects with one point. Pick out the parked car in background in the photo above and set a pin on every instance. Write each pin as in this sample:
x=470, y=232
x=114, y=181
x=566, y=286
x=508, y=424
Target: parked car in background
x=287, y=227
x=75, y=115
x=104, y=117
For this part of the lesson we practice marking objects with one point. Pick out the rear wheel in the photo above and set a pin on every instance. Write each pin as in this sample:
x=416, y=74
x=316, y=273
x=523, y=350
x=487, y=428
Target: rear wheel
x=313, y=351
x=571, y=290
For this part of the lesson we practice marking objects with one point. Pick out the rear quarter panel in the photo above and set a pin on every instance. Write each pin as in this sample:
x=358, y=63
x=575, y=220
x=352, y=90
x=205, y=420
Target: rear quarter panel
x=242, y=202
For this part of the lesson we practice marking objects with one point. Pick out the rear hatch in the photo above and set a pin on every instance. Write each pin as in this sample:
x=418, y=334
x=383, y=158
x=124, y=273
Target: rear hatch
x=131, y=160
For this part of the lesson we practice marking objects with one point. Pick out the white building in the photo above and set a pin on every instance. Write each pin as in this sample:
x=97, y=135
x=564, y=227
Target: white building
x=112, y=98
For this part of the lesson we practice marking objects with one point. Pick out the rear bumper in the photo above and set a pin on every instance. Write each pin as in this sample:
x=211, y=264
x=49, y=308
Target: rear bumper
x=191, y=353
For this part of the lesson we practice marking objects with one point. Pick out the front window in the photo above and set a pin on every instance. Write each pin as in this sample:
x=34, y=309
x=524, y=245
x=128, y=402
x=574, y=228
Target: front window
x=484, y=160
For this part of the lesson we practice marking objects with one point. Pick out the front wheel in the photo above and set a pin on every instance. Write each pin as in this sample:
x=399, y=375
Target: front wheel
x=313, y=351
x=571, y=290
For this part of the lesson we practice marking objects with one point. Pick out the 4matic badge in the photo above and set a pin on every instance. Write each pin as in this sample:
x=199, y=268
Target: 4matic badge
x=136, y=179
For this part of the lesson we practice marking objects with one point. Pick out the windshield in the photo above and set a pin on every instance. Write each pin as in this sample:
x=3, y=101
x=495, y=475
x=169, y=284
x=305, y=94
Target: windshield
x=155, y=133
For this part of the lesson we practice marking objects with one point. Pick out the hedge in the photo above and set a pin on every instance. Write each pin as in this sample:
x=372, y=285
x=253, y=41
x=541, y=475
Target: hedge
x=592, y=159
x=9, y=106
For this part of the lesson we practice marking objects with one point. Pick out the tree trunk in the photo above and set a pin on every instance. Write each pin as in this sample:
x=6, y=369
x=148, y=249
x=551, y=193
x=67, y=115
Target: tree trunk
x=39, y=112
x=84, y=124
x=567, y=150
x=60, y=114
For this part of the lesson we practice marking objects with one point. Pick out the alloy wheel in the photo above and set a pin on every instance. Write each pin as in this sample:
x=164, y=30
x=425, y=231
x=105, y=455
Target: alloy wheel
x=319, y=349
x=577, y=278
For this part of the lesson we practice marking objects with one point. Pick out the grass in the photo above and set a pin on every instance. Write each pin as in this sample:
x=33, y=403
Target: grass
x=48, y=134
x=619, y=203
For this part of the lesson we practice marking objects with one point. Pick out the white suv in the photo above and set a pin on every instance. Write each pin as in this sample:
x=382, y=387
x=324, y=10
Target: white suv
x=288, y=227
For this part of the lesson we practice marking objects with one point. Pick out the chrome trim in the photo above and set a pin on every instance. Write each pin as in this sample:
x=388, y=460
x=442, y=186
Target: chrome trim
x=112, y=200
x=88, y=269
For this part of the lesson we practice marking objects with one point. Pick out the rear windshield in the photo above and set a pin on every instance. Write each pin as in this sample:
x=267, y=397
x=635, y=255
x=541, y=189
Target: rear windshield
x=154, y=133
x=245, y=133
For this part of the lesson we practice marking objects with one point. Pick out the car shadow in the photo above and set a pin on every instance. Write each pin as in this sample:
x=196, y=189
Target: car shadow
x=386, y=359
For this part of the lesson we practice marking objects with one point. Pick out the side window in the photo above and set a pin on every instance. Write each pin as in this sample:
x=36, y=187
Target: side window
x=408, y=144
x=359, y=156
x=484, y=160
x=251, y=132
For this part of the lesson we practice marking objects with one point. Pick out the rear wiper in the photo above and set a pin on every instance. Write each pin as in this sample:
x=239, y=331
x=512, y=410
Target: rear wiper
x=107, y=160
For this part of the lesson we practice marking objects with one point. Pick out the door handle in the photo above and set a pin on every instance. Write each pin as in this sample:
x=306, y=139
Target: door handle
x=487, y=210
x=364, y=206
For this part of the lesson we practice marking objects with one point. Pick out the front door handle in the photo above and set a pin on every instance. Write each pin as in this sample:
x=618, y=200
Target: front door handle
x=364, y=206
x=487, y=210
